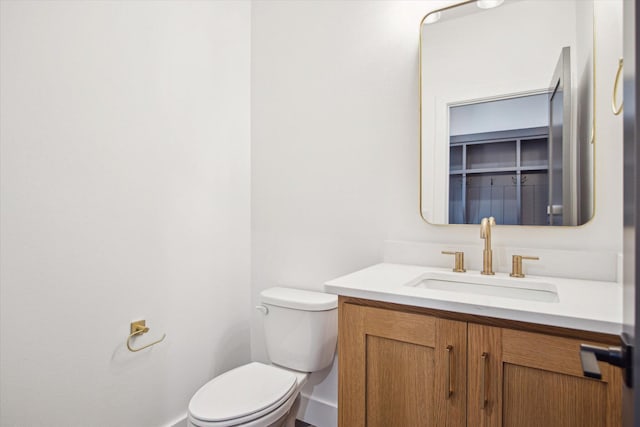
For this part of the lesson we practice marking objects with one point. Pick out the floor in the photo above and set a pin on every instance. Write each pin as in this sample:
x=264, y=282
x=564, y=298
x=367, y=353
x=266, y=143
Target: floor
x=302, y=424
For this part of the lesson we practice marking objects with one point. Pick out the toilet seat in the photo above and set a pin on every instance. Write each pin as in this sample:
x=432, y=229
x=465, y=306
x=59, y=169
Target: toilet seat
x=244, y=394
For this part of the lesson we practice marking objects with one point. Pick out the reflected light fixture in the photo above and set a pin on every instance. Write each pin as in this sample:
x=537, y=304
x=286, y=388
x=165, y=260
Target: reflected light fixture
x=433, y=17
x=489, y=4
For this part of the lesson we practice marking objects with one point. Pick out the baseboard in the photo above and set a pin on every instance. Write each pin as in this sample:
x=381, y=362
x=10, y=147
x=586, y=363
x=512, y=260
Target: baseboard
x=318, y=413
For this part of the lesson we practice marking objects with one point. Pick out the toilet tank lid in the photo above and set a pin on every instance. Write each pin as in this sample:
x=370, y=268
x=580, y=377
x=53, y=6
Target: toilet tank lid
x=299, y=299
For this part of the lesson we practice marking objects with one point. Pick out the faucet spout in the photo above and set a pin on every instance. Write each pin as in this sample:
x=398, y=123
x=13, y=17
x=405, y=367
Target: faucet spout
x=487, y=253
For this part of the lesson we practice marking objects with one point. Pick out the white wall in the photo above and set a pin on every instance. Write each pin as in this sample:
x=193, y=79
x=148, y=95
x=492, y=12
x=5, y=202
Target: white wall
x=335, y=150
x=125, y=195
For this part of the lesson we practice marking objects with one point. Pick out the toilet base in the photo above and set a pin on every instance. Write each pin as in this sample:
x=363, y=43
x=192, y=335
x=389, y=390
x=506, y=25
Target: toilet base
x=288, y=419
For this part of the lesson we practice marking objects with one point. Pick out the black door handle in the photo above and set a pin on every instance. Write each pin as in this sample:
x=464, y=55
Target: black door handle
x=616, y=356
x=589, y=363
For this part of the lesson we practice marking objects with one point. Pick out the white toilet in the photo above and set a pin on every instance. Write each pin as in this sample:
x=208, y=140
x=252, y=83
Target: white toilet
x=301, y=330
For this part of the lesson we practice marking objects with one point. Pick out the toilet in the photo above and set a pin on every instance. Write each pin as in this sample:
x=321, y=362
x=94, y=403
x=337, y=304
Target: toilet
x=301, y=330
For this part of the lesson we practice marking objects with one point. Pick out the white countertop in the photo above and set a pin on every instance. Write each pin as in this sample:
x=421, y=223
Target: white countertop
x=582, y=304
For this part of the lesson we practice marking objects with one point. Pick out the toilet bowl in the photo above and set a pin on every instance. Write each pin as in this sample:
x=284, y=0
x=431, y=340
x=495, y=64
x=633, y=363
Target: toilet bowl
x=255, y=394
x=301, y=334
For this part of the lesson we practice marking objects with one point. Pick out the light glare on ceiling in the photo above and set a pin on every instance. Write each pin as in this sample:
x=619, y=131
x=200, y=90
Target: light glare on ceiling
x=433, y=17
x=488, y=4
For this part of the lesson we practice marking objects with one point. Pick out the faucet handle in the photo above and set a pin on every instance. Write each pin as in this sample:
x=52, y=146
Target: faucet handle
x=459, y=261
x=516, y=265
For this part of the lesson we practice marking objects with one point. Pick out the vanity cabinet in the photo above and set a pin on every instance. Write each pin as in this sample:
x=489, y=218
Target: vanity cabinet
x=407, y=366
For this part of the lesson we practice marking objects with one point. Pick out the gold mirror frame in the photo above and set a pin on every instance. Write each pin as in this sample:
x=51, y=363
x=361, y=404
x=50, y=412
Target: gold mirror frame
x=421, y=133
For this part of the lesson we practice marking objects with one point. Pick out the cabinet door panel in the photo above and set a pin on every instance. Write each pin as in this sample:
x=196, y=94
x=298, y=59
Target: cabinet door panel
x=534, y=397
x=536, y=380
x=555, y=362
x=395, y=369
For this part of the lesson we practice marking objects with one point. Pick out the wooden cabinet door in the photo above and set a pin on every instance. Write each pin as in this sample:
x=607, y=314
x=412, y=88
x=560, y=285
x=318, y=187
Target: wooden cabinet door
x=400, y=369
x=524, y=379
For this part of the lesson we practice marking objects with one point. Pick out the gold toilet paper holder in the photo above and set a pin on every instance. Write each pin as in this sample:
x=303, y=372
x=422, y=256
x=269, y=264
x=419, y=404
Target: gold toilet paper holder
x=138, y=328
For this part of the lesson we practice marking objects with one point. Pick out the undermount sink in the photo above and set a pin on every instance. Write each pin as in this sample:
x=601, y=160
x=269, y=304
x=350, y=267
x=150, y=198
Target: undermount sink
x=506, y=287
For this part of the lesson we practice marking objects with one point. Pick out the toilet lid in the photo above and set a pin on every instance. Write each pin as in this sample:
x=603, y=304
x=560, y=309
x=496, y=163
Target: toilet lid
x=246, y=390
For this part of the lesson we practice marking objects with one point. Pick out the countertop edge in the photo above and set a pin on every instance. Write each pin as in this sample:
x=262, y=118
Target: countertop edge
x=583, y=324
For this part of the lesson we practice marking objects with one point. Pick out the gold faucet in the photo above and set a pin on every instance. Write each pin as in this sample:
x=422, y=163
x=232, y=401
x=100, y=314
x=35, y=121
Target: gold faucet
x=487, y=253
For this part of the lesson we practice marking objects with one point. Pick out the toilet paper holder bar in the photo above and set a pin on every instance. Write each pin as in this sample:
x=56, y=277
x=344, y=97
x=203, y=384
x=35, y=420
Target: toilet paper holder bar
x=138, y=328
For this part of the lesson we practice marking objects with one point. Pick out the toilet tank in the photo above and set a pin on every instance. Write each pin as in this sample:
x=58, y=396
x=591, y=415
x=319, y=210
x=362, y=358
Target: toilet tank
x=301, y=328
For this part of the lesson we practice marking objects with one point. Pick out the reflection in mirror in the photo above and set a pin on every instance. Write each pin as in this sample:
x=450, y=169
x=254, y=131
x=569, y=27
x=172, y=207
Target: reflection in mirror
x=507, y=113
